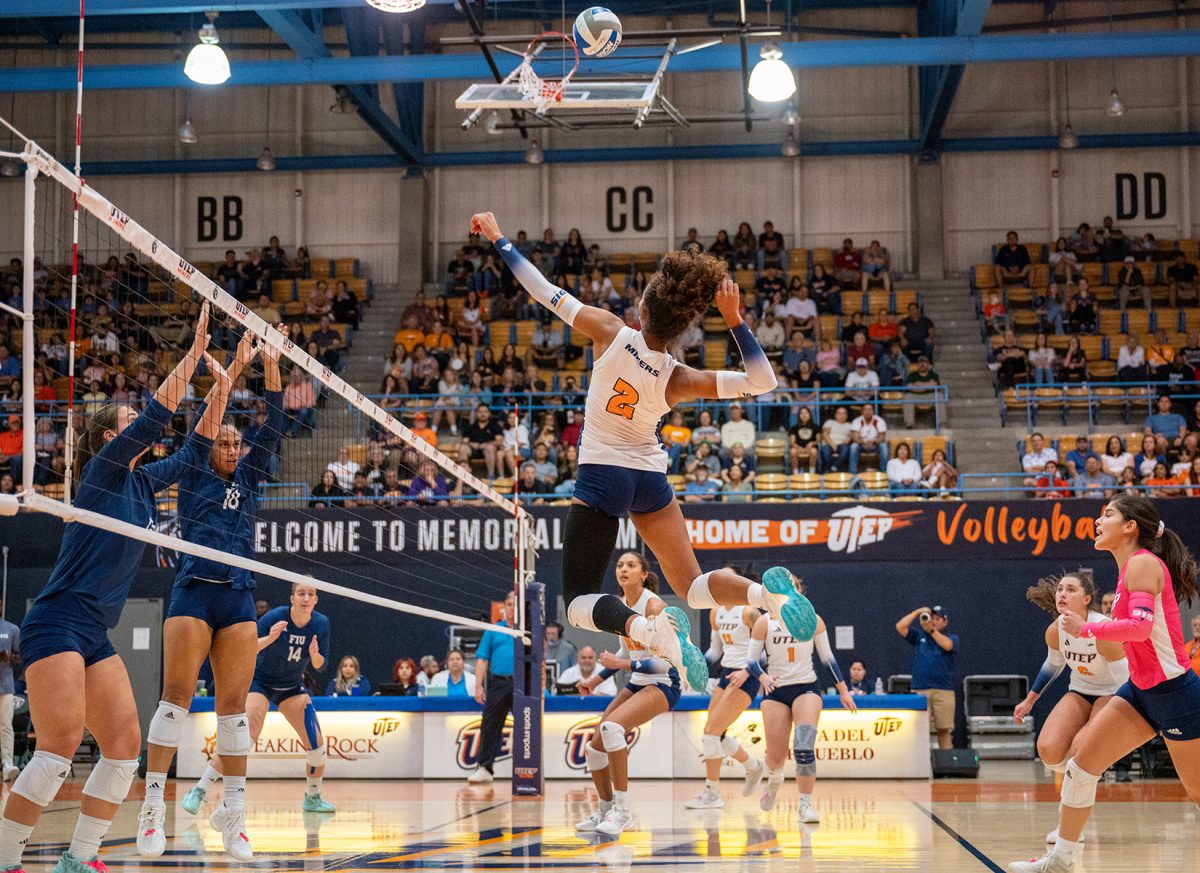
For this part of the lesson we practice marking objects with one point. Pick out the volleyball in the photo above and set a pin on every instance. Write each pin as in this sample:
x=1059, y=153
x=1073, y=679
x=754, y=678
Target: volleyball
x=597, y=32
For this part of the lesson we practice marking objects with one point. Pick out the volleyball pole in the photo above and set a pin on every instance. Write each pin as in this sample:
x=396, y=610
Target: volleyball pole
x=529, y=679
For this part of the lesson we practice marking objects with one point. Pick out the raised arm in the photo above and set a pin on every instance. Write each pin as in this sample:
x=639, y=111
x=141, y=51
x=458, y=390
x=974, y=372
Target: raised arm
x=215, y=402
x=173, y=388
x=597, y=324
x=758, y=378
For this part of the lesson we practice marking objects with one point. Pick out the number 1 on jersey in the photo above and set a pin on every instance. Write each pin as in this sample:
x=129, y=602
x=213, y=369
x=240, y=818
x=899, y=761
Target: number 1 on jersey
x=623, y=403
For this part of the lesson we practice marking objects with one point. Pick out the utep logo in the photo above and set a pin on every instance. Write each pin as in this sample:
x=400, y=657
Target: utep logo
x=241, y=310
x=117, y=218
x=887, y=725
x=326, y=373
x=851, y=529
x=468, y=744
x=185, y=269
x=581, y=734
x=384, y=726
x=288, y=345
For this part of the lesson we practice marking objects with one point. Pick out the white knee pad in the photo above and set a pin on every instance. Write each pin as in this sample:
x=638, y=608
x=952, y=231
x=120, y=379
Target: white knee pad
x=41, y=778
x=233, y=735
x=710, y=745
x=612, y=735
x=579, y=611
x=1079, y=787
x=729, y=746
x=699, y=597
x=1060, y=767
x=315, y=758
x=596, y=759
x=167, y=725
x=110, y=780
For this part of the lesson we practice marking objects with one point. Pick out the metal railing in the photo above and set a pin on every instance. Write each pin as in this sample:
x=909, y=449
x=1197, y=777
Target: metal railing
x=1091, y=397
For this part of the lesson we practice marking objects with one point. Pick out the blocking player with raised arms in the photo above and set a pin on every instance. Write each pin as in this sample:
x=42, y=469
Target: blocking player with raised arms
x=623, y=465
x=289, y=639
x=74, y=676
x=1098, y=668
x=211, y=613
x=792, y=701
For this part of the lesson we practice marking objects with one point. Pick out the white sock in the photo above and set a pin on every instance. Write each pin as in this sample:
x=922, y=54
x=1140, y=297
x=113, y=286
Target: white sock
x=155, y=783
x=637, y=629
x=235, y=793
x=712, y=784
x=620, y=799
x=211, y=776
x=775, y=777
x=1065, y=849
x=89, y=832
x=806, y=798
x=13, y=837
x=605, y=806
x=756, y=595
x=314, y=785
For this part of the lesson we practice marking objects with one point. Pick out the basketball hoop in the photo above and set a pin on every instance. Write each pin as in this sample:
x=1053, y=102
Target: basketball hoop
x=544, y=93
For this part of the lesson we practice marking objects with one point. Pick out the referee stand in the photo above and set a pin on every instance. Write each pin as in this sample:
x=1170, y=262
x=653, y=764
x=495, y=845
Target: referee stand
x=529, y=678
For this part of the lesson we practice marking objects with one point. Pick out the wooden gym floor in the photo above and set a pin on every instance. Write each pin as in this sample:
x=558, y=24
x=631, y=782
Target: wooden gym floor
x=866, y=827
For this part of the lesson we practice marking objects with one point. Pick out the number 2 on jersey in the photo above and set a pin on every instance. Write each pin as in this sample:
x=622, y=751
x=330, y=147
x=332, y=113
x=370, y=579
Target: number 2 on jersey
x=623, y=403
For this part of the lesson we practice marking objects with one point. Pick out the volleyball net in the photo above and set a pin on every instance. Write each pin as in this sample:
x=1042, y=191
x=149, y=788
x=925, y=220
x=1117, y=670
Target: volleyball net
x=388, y=519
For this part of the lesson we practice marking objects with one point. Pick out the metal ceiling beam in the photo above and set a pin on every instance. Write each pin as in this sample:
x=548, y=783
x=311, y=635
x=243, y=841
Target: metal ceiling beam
x=921, y=51
x=939, y=85
x=70, y=8
x=309, y=45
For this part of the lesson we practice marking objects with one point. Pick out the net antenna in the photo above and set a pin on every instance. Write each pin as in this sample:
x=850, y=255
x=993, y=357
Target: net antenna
x=45, y=176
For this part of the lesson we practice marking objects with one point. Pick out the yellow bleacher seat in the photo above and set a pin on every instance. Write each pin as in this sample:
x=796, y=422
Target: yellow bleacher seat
x=904, y=297
x=985, y=278
x=1110, y=321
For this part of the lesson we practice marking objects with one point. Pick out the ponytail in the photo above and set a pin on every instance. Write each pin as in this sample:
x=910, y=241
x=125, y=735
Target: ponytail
x=92, y=440
x=1044, y=595
x=1153, y=536
x=651, y=582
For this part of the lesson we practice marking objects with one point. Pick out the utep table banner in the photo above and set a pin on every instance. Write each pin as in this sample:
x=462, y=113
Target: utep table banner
x=931, y=531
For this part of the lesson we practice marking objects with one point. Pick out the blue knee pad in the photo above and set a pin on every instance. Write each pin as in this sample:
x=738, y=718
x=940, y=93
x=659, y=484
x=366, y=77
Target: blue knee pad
x=804, y=747
x=312, y=730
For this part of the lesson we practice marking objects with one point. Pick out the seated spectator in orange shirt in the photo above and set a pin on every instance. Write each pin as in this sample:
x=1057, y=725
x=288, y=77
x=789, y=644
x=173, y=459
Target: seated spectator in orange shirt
x=410, y=334
x=43, y=391
x=438, y=342
x=884, y=329
x=1162, y=483
x=422, y=429
x=1050, y=485
x=1194, y=645
x=10, y=447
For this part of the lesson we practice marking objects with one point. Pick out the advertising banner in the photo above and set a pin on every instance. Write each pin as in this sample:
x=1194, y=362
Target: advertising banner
x=358, y=745
x=868, y=744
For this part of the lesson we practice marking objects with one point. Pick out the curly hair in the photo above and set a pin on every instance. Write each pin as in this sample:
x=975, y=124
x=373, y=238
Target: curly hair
x=680, y=292
x=1044, y=594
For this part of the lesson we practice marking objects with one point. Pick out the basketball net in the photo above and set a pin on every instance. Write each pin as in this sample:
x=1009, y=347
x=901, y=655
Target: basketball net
x=544, y=93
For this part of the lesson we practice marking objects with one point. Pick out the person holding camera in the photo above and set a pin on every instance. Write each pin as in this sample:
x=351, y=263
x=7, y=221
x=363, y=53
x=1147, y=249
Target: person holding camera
x=933, y=665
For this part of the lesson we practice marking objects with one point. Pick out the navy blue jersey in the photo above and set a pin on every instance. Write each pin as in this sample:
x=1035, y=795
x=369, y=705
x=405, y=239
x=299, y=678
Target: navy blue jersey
x=96, y=567
x=284, y=661
x=220, y=513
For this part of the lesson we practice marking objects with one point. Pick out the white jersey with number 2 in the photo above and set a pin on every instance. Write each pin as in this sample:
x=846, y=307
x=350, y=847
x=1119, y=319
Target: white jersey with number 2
x=626, y=402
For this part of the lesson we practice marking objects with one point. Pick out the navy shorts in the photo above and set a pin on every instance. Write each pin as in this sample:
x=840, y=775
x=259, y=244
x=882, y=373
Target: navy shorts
x=618, y=491
x=671, y=692
x=751, y=686
x=1090, y=698
x=48, y=631
x=216, y=604
x=1172, y=708
x=276, y=693
x=787, y=694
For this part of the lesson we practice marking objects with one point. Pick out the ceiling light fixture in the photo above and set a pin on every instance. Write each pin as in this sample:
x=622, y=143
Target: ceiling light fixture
x=396, y=5
x=534, y=154
x=187, y=131
x=1115, y=107
x=791, y=145
x=771, y=80
x=206, y=62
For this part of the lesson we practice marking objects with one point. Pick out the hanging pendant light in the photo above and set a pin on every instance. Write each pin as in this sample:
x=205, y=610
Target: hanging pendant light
x=187, y=131
x=492, y=125
x=396, y=5
x=791, y=116
x=771, y=80
x=10, y=167
x=266, y=160
x=206, y=62
x=534, y=154
x=791, y=145
x=1067, y=139
x=1115, y=107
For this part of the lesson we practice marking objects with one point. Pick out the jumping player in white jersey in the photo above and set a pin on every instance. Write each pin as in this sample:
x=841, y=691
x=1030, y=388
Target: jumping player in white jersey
x=1162, y=696
x=623, y=463
x=735, y=691
x=652, y=690
x=1098, y=668
x=792, y=705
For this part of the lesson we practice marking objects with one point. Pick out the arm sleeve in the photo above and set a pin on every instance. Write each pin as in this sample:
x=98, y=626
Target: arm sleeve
x=266, y=441
x=716, y=650
x=561, y=303
x=1054, y=664
x=753, y=655
x=608, y=672
x=114, y=457
x=825, y=653
x=1134, y=629
x=191, y=456
x=759, y=377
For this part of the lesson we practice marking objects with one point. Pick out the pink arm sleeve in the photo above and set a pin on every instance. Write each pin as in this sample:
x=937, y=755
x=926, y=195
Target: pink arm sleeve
x=1126, y=630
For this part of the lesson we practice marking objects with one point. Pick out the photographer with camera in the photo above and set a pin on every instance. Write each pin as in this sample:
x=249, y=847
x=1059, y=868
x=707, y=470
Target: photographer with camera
x=933, y=665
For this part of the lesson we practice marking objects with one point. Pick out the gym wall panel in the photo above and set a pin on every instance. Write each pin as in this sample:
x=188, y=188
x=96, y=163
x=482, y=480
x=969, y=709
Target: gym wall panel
x=862, y=198
x=624, y=205
x=985, y=195
x=1099, y=183
x=514, y=193
x=716, y=195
